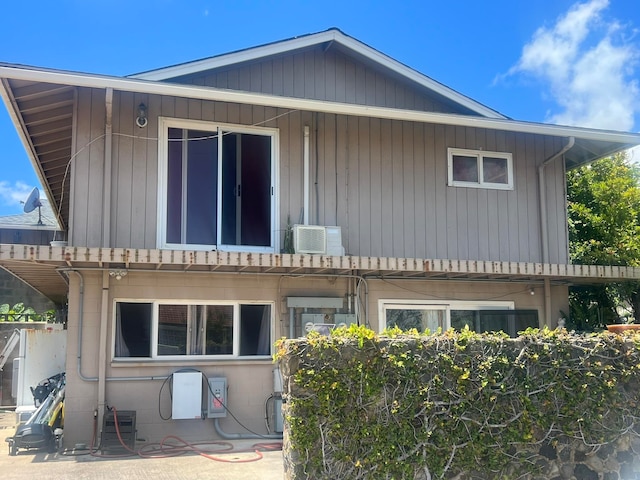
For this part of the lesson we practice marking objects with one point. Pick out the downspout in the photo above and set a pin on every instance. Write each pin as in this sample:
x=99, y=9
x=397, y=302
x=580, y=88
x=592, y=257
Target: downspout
x=547, y=302
x=106, y=193
x=543, y=198
x=305, y=159
x=292, y=327
x=544, y=236
x=102, y=346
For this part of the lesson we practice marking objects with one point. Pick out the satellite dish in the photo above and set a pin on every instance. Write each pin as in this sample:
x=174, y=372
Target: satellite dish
x=32, y=202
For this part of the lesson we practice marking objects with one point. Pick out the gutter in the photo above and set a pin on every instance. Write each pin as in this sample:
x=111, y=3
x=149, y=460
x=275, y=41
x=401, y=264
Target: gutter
x=222, y=95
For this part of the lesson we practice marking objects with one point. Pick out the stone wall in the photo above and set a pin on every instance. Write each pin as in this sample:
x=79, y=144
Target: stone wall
x=571, y=459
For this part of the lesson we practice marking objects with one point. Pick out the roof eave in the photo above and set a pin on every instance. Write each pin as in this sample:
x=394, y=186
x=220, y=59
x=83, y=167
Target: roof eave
x=16, y=118
x=613, y=141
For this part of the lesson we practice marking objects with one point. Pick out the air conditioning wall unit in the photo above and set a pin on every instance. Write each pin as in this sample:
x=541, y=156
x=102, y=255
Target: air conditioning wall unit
x=318, y=239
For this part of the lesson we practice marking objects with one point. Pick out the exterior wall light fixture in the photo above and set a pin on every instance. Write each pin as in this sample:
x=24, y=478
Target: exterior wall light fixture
x=118, y=274
x=141, y=118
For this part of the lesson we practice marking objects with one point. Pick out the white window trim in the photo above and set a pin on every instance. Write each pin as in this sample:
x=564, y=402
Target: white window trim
x=479, y=154
x=164, y=123
x=447, y=306
x=195, y=358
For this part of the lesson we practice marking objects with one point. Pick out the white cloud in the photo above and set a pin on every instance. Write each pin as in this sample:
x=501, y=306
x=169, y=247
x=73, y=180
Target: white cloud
x=12, y=194
x=588, y=64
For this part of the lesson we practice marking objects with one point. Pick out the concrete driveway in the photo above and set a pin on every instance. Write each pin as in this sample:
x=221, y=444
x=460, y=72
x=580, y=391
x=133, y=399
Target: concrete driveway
x=248, y=460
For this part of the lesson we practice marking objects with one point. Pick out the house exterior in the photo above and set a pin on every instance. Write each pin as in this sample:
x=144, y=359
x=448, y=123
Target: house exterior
x=215, y=206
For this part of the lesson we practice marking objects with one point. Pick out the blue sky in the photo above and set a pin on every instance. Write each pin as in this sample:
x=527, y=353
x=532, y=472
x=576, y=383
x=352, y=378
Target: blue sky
x=557, y=61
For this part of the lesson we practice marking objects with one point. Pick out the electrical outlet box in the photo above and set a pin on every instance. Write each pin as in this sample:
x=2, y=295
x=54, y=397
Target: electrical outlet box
x=217, y=398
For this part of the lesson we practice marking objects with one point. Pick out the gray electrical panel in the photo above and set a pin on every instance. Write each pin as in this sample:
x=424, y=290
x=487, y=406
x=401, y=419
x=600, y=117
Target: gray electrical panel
x=217, y=405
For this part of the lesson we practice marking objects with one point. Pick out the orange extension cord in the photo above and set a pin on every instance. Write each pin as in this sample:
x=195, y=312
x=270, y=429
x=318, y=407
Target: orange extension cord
x=166, y=450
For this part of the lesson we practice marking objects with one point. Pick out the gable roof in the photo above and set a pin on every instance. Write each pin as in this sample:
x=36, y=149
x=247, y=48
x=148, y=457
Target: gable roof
x=331, y=38
x=42, y=102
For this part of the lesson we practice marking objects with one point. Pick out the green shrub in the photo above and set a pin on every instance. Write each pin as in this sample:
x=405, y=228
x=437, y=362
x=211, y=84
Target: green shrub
x=361, y=405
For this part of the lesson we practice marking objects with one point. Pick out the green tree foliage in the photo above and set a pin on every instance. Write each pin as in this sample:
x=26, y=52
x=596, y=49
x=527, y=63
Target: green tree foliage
x=20, y=313
x=604, y=229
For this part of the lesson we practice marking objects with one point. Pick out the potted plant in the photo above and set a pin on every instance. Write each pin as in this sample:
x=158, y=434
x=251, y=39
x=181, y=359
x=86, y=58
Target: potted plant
x=623, y=327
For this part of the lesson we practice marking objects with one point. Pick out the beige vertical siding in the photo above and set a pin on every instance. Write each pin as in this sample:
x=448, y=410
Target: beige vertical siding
x=324, y=75
x=383, y=181
x=88, y=170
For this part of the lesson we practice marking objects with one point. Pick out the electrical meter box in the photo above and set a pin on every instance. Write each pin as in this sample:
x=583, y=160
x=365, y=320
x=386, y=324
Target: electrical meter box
x=344, y=319
x=187, y=395
x=308, y=320
x=217, y=397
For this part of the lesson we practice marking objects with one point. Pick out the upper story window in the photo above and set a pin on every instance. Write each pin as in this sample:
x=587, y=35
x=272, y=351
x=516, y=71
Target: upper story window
x=162, y=330
x=216, y=186
x=480, y=169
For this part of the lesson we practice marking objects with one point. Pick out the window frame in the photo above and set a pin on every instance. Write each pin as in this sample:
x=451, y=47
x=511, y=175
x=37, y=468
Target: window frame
x=479, y=155
x=447, y=306
x=153, y=347
x=164, y=124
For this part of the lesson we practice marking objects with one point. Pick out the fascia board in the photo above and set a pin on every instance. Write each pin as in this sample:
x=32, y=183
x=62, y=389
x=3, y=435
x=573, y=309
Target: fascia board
x=416, y=76
x=235, y=57
x=248, y=98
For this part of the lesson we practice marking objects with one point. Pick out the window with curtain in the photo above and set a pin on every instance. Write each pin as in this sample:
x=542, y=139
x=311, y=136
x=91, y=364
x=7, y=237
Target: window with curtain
x=216, y=186
x=192, y=330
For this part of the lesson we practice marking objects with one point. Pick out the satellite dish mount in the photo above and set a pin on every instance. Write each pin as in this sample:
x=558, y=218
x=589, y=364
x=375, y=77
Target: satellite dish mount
x=32, y=202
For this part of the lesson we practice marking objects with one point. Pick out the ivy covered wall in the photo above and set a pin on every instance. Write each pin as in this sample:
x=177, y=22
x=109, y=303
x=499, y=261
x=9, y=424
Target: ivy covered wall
x=545, y=405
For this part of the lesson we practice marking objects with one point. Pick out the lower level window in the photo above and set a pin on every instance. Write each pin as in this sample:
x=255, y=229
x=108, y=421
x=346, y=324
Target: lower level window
x=510, y=322
x=479, y=317
x=162, y=330
x=422, y=318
